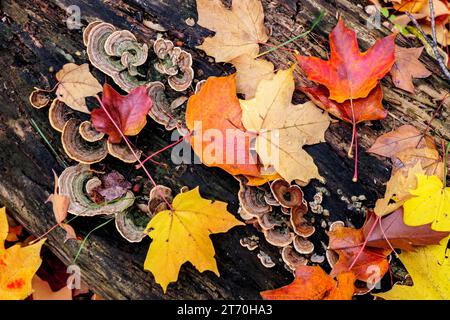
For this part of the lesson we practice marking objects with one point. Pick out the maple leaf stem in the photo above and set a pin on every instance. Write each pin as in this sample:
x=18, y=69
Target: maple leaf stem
x=355, y=143
x=51, y=90
x=138, y=166
x=364, y=244
x=53, y=228
x=134, y=153
x=304, y=34
x=386, y=238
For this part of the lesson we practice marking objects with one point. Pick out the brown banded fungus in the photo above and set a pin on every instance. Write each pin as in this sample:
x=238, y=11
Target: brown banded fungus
x=58, y=114
x=122, y=152
x=289, y=196
x=79, y=149
x=265, y=259
x=39, y=98
x=252, y=200
x=299, y=223
x=174, y=62
x=131, y=224
x=116, y=53
x=279, y=236
x=72, y=183
x=161, y=111
x=89, y=133
x=251, y=243
x=292, y=258
x=303, y=246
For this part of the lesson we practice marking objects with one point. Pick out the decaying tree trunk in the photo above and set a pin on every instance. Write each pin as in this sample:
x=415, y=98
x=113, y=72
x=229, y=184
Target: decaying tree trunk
x=35, y=41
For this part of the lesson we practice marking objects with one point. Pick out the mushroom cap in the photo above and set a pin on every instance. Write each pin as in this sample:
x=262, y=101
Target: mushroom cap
x=252, y=200
x=251, y=243
x=122, y=152
x=39, y=98
x=131, y=224
x=265, y=259
x=182, y=80
x=96, y=36
x=125, y=45
x=303, y=246
x=72, y=183
x=89, y=133
x=271, y=219
x=92, y=184
x=299, y=223
x=161, y=111
x=156, y=202
x=279, y=236
x=58, y=114
x=292, y=258
x=162, y=47
x=289, y=196
x=88, y=30
x=79, y=149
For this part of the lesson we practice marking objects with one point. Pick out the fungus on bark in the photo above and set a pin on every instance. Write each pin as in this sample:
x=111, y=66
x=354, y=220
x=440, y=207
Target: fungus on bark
x=72, y=183
x=161, y=111
x=79, y=149
x=299, y=223
x=303, y=246
x=279, y=236
x=289, y=196
x=58, y=114
x=252, y=200
x=156, y=202
x=292, y=258
x=122, y=152
x=39, y=98
x=89, y=133
x=131, y=224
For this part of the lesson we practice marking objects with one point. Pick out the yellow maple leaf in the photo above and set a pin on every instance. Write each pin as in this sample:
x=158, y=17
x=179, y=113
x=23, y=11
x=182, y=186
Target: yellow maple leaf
x=238, y=31
x=75, y=84
x=283, y=128
x=397, y=188
x=183, y=235
x=250, y=72
x=17, y=265
x=430, y=204
x=429, y=268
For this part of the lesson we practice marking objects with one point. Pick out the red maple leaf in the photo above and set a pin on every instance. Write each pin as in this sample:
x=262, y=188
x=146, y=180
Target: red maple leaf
x=350, y=74
x=128, y=112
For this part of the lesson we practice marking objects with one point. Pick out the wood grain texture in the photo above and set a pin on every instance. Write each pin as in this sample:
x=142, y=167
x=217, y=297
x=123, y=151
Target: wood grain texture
x=34, y=40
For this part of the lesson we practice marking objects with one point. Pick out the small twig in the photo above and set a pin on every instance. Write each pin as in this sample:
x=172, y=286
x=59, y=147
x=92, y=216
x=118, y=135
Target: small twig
x=433, y=42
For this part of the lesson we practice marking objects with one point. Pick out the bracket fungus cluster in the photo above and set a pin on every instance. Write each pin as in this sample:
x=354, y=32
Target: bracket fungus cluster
x=116, y=53
x=279, y=213
x=92, y=194
x=174, y=62
x=120, y=55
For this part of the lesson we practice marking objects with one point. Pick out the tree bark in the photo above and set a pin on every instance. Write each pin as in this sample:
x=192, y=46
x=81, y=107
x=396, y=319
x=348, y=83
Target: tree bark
x=35, y=42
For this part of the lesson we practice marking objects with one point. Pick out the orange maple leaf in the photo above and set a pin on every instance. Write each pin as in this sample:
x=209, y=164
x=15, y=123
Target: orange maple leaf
x=312, y=283
x=216, y=107
x=364, y=109
x=368, y=264
x=350, y=74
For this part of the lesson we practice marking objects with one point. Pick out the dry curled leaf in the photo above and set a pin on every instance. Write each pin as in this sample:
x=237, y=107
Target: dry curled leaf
x=238, y=31
x=59, y=202
x=250, y=72
x=76, y=83
x=312, y=283
x=183, y=235
x=128, y=112
x=407, y=67
x=283, y=129
x=350, y=74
